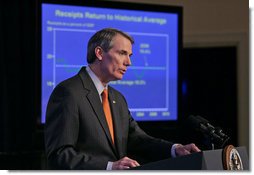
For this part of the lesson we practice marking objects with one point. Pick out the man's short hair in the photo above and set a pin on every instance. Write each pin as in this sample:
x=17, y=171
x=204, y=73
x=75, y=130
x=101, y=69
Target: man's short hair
x=103, y=38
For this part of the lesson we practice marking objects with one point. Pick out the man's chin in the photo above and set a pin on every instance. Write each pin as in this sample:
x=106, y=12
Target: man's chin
x=120, y=77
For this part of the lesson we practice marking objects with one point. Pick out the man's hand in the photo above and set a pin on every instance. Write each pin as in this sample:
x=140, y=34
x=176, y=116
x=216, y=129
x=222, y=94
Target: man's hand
x=182, y=150
x=124, y=163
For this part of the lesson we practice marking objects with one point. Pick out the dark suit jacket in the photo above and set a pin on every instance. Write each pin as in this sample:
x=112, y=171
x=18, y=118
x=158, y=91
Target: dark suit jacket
x=76, y=131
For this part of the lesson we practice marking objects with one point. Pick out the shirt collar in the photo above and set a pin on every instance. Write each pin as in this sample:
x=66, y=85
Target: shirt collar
x=99, y=86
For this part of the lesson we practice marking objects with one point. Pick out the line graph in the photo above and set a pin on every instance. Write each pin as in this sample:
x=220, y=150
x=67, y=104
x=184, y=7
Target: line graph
x=142, y=69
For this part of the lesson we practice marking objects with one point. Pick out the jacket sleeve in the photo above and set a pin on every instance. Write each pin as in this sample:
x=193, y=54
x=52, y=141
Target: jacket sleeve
x=143, y=147
x=146, y=148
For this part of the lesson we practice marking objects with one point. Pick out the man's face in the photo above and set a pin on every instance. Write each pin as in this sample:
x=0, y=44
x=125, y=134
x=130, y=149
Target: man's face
x=117, y=59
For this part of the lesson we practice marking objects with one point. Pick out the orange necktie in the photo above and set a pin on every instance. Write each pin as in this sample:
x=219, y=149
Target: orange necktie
x=107, y=112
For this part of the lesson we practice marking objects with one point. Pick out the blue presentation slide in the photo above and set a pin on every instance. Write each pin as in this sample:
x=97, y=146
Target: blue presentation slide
x=150, y=84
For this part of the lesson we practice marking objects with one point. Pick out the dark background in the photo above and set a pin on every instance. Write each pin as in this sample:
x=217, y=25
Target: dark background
x=208, y=80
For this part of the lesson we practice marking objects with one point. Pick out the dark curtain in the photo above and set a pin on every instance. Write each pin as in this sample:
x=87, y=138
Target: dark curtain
x=18, y=76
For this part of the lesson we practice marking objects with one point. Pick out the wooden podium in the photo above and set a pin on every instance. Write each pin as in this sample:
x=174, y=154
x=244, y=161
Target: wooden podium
x=205, y=160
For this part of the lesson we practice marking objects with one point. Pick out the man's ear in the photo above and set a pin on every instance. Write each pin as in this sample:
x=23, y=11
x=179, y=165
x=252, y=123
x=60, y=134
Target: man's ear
x=98, y=52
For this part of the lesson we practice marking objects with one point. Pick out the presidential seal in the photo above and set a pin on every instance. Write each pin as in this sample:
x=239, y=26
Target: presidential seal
x=231, y=159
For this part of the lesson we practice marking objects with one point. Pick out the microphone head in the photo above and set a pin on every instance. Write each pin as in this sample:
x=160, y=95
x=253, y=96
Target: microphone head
x=201, y=119
x=195, y=121
x=202, y=125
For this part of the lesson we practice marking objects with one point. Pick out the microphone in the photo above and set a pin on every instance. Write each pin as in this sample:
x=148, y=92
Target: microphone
x=215, y=134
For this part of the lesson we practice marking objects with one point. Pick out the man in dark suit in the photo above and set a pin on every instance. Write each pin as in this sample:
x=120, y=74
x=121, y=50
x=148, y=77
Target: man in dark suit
x=81, y=134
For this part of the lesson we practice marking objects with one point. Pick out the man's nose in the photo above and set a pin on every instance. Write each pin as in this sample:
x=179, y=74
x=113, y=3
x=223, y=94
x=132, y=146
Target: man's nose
x=127, y=61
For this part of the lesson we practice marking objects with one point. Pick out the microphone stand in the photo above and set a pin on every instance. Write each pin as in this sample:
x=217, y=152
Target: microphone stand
x=208, y=143
x=215, y=138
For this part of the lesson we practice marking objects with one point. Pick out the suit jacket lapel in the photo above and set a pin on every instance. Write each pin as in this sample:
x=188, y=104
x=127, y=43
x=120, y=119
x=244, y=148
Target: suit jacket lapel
x=94, y=99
